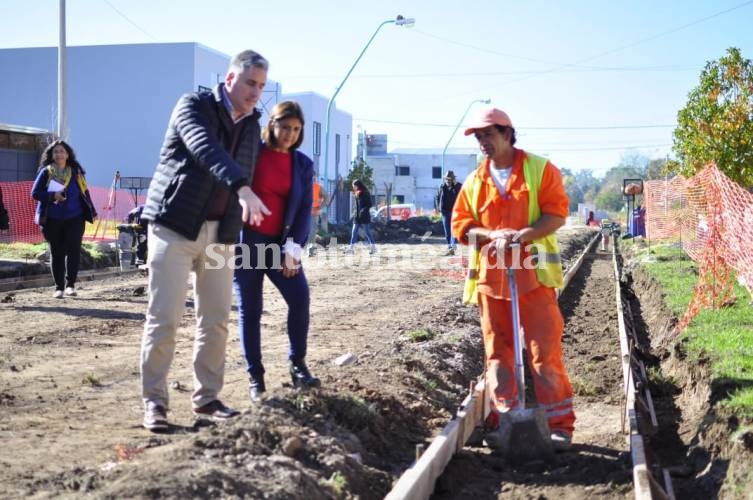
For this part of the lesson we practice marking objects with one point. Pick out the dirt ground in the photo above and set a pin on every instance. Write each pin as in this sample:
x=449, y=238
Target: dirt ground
x=599, y=463
x=71, y=411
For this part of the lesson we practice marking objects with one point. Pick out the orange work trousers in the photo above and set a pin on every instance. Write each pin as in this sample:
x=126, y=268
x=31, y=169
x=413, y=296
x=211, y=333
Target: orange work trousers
x=542, y=322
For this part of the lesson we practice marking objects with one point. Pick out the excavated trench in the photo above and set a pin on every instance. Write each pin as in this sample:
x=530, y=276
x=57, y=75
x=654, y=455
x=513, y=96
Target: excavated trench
x=694, y=441
x=599, y=463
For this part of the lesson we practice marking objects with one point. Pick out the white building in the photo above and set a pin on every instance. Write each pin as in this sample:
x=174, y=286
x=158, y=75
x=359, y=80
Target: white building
x=119, y=100
x=414, y=175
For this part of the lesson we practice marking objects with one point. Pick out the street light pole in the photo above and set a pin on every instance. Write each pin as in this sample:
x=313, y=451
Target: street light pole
x=399, y=21
x=62, y=118
x=444, y=151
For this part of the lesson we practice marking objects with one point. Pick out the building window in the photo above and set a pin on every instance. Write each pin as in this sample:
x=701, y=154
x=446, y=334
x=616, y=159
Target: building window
x=400, y=198
x=436, y=172
x=317, y=138
x=337, y=151
x=402, y=170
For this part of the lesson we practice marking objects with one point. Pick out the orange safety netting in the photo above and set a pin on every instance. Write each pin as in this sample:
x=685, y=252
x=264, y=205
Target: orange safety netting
x=111, y=204
x=712, y=218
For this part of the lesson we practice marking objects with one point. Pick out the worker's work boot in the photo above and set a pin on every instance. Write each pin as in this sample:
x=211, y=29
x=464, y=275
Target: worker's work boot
x=302, y=377
x=561, y=441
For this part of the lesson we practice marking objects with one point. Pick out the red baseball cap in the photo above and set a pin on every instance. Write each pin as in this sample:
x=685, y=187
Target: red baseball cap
x=487, y=118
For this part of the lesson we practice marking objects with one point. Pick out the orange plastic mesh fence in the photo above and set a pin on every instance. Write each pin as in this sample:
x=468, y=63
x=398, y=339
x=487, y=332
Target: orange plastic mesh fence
x=712, y=217
x=112, y=207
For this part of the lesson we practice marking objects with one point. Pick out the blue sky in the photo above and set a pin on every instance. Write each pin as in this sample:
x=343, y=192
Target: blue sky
x=583, y=81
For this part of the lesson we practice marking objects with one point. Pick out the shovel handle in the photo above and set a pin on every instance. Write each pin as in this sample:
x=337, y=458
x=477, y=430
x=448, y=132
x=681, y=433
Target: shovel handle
x=516, y=333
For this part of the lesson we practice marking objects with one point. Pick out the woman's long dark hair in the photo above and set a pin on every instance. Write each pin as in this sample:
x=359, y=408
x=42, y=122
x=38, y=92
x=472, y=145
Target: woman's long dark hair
x=48, y=160
x=360, y=187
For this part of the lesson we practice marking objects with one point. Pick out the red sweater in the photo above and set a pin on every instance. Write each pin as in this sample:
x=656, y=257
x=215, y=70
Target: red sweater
x=272, y=182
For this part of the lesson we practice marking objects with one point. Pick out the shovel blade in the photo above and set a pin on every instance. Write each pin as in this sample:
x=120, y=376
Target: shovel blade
x=523, y=436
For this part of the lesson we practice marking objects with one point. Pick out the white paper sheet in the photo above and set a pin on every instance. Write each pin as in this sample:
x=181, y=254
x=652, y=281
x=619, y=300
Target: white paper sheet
x=54, y=186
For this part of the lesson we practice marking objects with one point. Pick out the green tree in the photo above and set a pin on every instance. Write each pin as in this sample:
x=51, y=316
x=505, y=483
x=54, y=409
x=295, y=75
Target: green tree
x=610, y=199
x=573, y=190
x=359, y=169
x=657, y=169
x=633, y=162
x=717, y=122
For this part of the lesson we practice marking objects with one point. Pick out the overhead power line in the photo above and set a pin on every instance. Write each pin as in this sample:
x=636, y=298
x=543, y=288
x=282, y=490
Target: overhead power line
x=501, y=73
x=543, y=149
x=616, y=49
x=610, y=148
x=130, y=21
x=521, y=127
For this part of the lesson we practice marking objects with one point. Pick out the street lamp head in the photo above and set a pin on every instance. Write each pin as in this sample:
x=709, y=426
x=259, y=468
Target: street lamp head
x=408, y=22
x=484, y=101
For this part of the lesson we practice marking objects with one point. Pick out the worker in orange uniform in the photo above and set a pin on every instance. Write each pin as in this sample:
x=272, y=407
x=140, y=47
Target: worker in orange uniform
x=319, y=199
x=516, y=197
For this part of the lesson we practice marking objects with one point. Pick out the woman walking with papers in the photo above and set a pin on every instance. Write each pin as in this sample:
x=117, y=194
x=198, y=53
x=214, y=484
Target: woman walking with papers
x=64, y=206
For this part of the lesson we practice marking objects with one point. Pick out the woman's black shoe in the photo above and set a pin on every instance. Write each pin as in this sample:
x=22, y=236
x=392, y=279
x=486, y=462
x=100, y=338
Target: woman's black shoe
x=302, y=377
x=256, y=387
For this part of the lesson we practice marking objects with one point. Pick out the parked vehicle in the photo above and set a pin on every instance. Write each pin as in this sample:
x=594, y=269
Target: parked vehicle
x=398, y=211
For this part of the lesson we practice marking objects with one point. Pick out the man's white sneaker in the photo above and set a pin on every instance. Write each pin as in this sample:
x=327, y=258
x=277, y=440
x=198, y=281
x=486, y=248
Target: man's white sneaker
x=70, y=291
x=58, y=294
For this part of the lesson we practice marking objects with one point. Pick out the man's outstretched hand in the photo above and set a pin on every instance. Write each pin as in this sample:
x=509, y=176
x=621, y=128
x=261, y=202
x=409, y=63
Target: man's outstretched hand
x=253, y=208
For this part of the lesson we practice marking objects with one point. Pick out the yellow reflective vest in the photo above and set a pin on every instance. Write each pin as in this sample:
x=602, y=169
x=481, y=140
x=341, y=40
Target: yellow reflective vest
x=546, y=249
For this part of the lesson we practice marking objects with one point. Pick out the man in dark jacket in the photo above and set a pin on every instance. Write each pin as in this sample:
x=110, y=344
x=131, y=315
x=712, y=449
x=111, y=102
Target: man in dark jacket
x=445, y=200
x=197, y=202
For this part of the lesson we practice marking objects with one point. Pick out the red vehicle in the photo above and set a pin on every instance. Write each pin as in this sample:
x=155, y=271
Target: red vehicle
x=398, y=211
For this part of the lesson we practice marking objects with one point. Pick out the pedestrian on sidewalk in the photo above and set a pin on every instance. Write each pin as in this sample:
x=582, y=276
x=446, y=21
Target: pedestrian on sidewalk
x=283, y=180
x=517, y=197
x=445, y=200
x=198, y=200
x=362, y=218
x=63, y=209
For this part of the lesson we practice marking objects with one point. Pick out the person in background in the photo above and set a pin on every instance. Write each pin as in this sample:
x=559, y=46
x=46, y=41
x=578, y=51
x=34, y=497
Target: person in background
x=139, y=227
x=283, y=180
x=64, y=206
x=198, y=200
x=591, y=220
x=445, y=200
x=362, y=219
x=319, y=200
x=4, y=219
x=516, y=197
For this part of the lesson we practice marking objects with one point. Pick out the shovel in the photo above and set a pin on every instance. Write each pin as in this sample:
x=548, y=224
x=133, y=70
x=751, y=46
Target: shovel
x=523, y=434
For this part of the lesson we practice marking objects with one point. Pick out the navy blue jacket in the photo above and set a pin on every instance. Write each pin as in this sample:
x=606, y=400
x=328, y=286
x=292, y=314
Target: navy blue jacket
x=39, y=192
x=194, y=164
x=297, y=220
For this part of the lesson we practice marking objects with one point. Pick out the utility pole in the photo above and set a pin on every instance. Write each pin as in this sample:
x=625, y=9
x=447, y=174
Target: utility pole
x=62, y=118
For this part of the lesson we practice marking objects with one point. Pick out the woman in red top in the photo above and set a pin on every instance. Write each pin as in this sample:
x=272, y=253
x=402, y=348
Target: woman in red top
x=283, y=180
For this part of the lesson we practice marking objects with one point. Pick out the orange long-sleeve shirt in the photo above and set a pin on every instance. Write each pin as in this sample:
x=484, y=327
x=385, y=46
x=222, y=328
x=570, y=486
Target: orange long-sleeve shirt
x=498, y=211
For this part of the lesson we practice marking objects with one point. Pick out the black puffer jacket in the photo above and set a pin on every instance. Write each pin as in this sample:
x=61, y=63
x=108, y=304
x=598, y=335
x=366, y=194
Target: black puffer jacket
x=363, y=204
x=194, y=164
